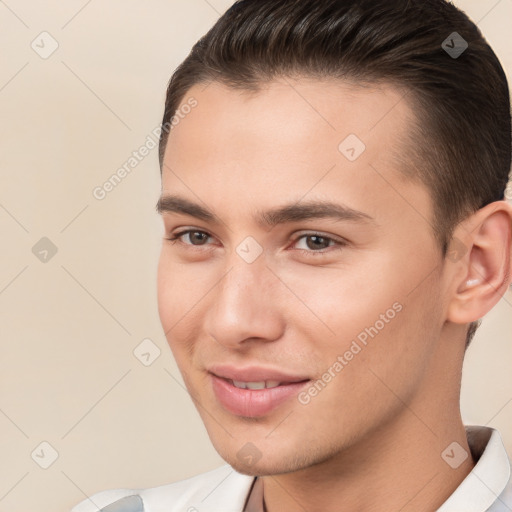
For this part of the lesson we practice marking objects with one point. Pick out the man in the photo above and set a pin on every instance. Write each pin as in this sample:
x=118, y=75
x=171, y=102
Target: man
x=333, y=179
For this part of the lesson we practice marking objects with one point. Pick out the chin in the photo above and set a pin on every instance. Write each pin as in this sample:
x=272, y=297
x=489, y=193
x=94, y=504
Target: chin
x=260, y=468
x=260, y=465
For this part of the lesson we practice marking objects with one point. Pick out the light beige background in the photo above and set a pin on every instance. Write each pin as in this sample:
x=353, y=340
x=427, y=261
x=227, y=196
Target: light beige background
x=69, y=326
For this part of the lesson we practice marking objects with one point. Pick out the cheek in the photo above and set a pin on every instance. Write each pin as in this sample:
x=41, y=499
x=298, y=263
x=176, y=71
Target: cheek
x=166, y=293
x=392, y=355
x=371, y=319
x=175, y=307
x=364, y=384
x=177, y=291
x=338, y=304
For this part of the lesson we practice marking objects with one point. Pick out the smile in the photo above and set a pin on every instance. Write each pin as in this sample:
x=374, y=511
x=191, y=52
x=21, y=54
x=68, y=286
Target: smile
x=245, y=393
x=256, y=385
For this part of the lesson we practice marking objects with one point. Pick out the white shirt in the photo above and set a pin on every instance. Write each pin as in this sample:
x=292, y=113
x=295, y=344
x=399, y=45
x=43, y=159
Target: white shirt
x=488, y=488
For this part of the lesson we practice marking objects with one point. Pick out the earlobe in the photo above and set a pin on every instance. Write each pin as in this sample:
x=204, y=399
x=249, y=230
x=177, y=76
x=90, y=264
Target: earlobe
x=484, y=273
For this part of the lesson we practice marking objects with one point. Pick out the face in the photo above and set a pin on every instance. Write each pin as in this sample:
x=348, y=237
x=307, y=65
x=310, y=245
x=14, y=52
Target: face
x=299, y=277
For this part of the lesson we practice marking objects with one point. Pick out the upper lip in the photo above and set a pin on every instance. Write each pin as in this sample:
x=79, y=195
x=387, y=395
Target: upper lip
x=254, y=374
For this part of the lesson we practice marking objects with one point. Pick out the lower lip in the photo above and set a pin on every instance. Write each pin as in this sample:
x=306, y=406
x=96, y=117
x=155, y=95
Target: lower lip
x=252, y=403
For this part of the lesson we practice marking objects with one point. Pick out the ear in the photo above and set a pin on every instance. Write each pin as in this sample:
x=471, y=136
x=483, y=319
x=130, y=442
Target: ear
x=481, y=249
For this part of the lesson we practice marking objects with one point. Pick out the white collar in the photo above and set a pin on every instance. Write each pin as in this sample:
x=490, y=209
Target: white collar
x=488, y=479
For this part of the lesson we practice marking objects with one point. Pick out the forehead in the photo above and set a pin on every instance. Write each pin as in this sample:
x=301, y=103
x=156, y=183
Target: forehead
x=297, y=110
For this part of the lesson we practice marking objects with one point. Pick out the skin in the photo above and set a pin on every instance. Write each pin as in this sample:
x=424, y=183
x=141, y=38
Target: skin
x=372, y=438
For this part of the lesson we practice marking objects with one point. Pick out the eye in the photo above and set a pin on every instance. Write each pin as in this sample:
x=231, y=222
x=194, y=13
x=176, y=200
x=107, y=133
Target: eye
x=316, y=243
x=195, y=237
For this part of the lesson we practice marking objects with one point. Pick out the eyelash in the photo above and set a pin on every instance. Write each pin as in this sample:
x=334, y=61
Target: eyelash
x=340, y=243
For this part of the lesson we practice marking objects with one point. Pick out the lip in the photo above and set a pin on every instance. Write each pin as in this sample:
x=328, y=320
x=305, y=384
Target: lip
x=255, y=374
x=252, y=403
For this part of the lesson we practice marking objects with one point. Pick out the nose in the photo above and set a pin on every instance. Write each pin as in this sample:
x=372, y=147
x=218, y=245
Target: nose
x=246, y=305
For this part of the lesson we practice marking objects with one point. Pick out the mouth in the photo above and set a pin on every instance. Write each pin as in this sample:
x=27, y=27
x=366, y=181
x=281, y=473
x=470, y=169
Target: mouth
x=263, y=384
x=255, y=391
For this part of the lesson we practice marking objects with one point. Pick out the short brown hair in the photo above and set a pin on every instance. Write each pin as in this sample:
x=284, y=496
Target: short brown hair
x=460, y=146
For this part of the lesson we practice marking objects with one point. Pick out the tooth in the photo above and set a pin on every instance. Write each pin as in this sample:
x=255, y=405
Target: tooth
x=255, y=385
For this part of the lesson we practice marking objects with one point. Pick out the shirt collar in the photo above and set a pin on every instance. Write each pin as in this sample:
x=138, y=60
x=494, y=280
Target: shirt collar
x=487, y=480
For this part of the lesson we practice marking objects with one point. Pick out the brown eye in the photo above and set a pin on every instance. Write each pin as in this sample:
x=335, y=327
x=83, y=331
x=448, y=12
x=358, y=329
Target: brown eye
x=314, y=242
x=195, y=237
x=317, y=242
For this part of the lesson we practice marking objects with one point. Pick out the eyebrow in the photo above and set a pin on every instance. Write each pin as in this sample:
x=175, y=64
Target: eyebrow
x=293, y=212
